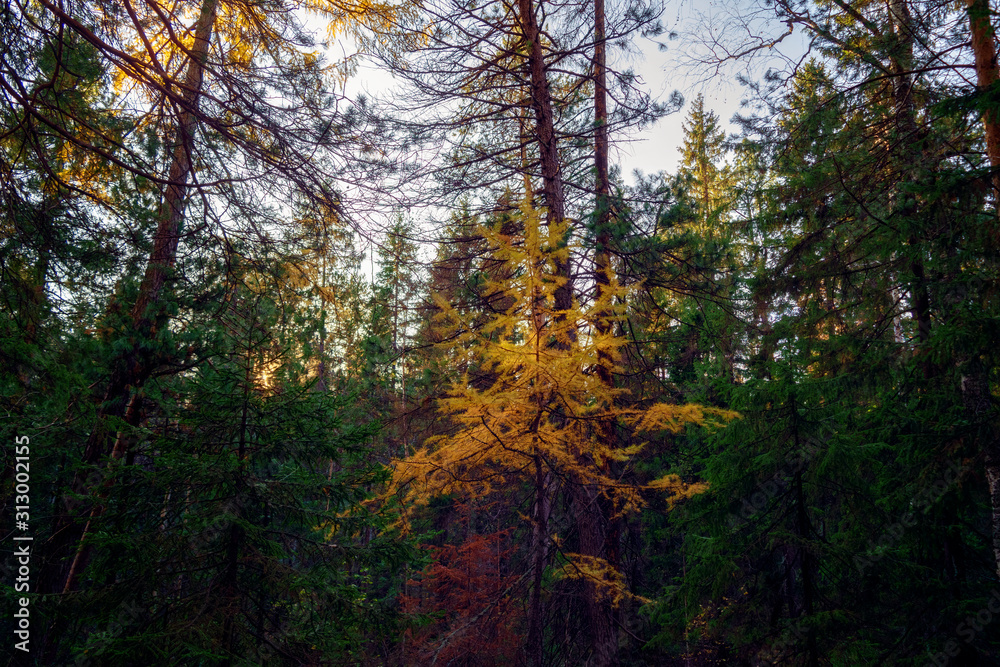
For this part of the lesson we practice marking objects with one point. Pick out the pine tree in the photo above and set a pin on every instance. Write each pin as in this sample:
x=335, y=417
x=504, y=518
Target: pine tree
x=234, y=531
x=397, y=287
x=701, y=165
x=854, y=283
x=184, y=121
x=535, y=422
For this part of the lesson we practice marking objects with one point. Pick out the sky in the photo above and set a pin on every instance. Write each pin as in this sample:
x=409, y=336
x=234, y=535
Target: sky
x=696, y=33
x=694, y=30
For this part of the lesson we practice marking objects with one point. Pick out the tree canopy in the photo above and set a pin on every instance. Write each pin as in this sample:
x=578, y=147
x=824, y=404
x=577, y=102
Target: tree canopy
x=292, y=376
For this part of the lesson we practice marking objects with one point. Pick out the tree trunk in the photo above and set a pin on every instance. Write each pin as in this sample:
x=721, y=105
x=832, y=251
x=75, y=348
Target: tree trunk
x=541, y=101
x=133, y=367
x=539, y=556
x=978, y=401
x=901, y=65
x=598, y=529
x=601, y=139
x=598, y=538
x=987, y=74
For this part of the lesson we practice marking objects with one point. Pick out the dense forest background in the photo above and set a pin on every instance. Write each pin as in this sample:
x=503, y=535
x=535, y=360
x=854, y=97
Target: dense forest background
x=295, y=378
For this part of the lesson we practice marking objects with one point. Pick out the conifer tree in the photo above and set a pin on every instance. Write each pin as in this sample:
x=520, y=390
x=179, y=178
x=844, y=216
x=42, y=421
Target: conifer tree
x=398, y=285
x=855, y=282
x=199, y=78
x=234, y=531
x=537, y=421
x=701, y=164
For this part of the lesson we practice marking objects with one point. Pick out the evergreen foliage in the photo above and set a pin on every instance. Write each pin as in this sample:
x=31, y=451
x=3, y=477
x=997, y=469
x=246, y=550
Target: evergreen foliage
x=742, y=414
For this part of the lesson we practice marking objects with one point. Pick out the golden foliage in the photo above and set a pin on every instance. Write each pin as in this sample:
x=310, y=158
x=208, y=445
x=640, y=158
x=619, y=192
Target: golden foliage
x=157, y=41
x=608, y=581
x=531, y=390
x=673, y=418
x=676, y=487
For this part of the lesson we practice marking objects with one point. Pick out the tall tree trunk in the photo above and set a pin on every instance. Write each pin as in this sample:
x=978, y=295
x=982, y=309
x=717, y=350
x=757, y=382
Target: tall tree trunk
x=601, y=138
x=596, y=522
x=133, y=367
x=548, y=148
x=543, y=478
x=901, y=66
x=599, y=535
x=976, y=395
x=539, y=556
x=987, y=74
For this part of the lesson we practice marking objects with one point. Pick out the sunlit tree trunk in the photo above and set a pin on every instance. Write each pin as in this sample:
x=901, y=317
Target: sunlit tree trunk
x=987, y=74
x=976, y=393
x=147, y=312
x=555, y=204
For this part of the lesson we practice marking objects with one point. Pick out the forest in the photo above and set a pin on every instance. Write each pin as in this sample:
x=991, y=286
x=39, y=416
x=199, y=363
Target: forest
x=294, y=374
